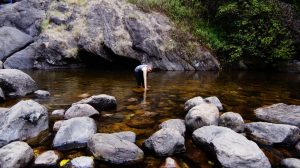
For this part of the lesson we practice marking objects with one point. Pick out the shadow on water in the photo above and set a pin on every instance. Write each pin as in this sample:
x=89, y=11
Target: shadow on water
x=141, y=113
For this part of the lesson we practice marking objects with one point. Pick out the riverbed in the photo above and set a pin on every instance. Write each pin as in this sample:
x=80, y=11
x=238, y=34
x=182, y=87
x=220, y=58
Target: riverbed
x=240, y=92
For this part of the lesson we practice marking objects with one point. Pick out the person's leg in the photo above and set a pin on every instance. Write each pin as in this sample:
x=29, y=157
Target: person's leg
x=138, y=79
x=141, y=78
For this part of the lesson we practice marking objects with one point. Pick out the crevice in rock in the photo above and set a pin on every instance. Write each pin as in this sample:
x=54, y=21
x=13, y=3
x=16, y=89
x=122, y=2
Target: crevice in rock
x=117, y=62
x=5, y=58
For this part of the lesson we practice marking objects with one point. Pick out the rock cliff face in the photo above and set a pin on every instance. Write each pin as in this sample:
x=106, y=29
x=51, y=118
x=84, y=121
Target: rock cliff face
x=104, y=29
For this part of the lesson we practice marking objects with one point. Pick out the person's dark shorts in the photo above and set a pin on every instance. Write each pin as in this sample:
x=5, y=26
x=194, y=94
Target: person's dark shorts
x=139, y=78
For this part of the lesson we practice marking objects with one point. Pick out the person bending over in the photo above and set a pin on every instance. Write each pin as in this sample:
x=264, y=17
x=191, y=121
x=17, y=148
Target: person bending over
x=141, y=72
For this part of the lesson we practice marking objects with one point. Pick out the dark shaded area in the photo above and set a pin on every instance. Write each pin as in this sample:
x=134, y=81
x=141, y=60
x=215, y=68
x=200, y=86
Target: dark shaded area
x=7, y=1
x=93, y=61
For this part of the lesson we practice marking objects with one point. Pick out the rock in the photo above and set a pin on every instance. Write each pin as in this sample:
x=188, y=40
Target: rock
x=233, y=121
x=131, y=100
x=82, y=162
x=23, y=59
x=192, y=103
x=165, y=142
x=298, y=146
x=81, y=110
x=215, y=101
x=74, y=133
x=201, y=115
x=176, y=124
x=2, y=96
x=16, y=83
x=280, y=113
x=41, y=94
x=58, y=113
x=25, y=120
x=231, y=148
x=11, y=41
x=57, y=125
x=170, y=163
x=47, y=159
x=272, y=134
x=126, y=135
x=100, y=102
x=26, y=15
x=292, y=66
x=16, y=154
x=290, y=163
x=1, y=65
x=110, y=148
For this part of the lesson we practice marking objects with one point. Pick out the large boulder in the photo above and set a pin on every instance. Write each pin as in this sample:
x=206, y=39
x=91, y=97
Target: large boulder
x=100, y=102
x=23, y=59
x=126, y=135
x=48, y=159
x=11, y=41
x=271, y=134
x=16, y=83
x=193, y=102
x=280, y=113
x=290, y=163
x=80, y=110
x=202, y=115
x=16, y=154
x=110, y=148
x=74, y=133
x=176, y=124
x=215, y=101
x=231, y=148
x=165, y=142
x=25, y=120
x=233, y=121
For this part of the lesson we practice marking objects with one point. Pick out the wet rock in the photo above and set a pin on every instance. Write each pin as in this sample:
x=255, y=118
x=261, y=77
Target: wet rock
x=233, y=121
x=100, y=102
x=215, y=101
x=231, y=148
x=170, y=163
x=192, y=103
x=270, y=134
x=57, y=125
x=280, y=113
x=131, y=100
x=23, y=59
x=47, y=159
x=60, y=113
x=176, y=124
x=2, y=96
x=74, y=133
x=25, y=120
x=82, y=162
x=81, y=110
x=201, y=115
x=41, y=94
x=290, y=163
x=110, y=148
x=298, y=146
x=11, y=41
x=165, y=142
x=16, y=154
x=126, y=135
x=16, y=83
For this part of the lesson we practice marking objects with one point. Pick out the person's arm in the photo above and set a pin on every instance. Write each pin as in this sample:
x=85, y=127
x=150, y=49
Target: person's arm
x=145, y=77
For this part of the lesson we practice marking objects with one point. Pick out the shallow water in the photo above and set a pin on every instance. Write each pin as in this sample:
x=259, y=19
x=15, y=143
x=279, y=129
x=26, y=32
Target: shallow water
x=240, y=92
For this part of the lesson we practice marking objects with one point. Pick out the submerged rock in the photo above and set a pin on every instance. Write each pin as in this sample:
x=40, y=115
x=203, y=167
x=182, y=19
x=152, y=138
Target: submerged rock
x=47, y=159
x=110, y=148
x=141, y=121
x=15, y=155
x=25, y=120
x=16, y=83
x=215, y=101
x=270, y=134
x=290, y=163
x=202, y=115
x=12, y=40
x=280, y=113
x=60, y=113
x=231, y=148
x=41, y=94
x=82, y=162
x=126, y=135
x=233, y=121
x=170, y=163
x=74, y=133
x=165, y=142
x=81, y=110
x=100, y=102
x=192, y=103
x=176, y=124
